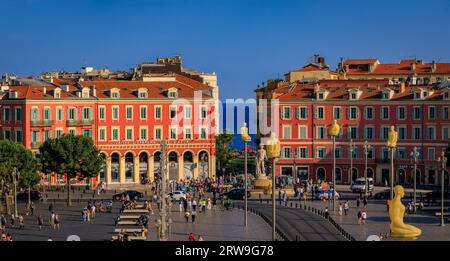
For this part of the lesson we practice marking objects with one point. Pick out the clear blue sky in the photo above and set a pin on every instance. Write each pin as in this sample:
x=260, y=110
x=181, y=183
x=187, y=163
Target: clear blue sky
x=245, y=42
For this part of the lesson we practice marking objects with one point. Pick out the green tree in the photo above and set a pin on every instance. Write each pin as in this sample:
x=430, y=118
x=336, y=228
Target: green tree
x=224, y=151
x=29, y=173
x=72, y=156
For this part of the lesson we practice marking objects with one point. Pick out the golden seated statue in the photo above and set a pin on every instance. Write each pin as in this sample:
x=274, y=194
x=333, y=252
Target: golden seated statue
x=396, y=214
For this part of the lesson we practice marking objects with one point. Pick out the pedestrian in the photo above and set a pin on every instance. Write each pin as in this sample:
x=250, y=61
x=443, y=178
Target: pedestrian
x=346, y=208
x=365, y=201
x=21, y=222
x=200, y=238
x=40, y=222
x=13, y=219
x=340, y=209
x=2, y=222
x=194, y=205
x=93, y=209
x=279, y=196
x=57, y=221
x=52, y=220
x=50, y=208
x=88, y=215
x=358, y=201
x=32, y=208
x=284, y=197
x=203, y=205
x=388, y=203
x=208, y=204
x=186, y=216
x=326, y=213
x=193, y=214
x=363, y=217
x=191, y=237
x=83, y=215
x=359, y=215
x=180, y=205
x=8, y=237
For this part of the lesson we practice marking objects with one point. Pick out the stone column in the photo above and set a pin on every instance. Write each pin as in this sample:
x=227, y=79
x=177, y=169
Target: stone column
x=197, y=166
x=122, y=170
x=151, y=168
x=136, y=169
x=108, y=170
x=212, y=166
x=180, y=166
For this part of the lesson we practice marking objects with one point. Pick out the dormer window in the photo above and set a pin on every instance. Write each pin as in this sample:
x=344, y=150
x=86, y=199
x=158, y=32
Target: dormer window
x=85, y=93
x=320, y=96
x=387, y=94
x=142, y=93
x=425, y=94
x=57, y=93
x=172, y=93
x=115, y=94
x=417, y=95
x=354, y=94
x=447, y=95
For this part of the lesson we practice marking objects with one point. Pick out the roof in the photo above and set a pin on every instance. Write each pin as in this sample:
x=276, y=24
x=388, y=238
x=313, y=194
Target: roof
x=360, y=61
x=404, y=67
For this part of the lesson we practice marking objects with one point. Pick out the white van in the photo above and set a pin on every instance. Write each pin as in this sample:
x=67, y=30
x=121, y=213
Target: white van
x=359, y=185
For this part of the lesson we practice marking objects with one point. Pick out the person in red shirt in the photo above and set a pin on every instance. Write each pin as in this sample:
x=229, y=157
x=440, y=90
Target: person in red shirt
x=191, y=237
x=388, y=203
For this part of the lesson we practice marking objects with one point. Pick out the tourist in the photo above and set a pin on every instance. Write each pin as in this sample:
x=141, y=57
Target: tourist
x=200, y=238
x=57, y=221
x=180, y=205
x=358, y=202
x=13, y=218
x=279, y=196
x=52, y=220
x=93, y=208
x=326, y=213
x=194, y=204
x=340, y=209
x=193, y=214
x=284, y=197
x=3, y=236
x=50, y=208
x=365, y=201
x=32, y=208
x=88, y=214
x=203, y=203
x=208, y=204
x=359, y=215
x=83, y=215
x=21, y=222
x=40, y=222
x=191, y=237
x=8, y=237
x=186, y=216
x=2, y=222
x=363, y=217
x=346, y=208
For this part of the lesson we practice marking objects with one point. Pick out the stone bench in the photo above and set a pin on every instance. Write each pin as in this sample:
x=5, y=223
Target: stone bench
x=128, y=230
x=127, y=222
x=122, y=217
x=131, y=238
x=143, y=211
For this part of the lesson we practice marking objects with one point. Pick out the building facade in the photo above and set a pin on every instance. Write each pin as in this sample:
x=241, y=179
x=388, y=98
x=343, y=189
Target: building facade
x=127, y=119
x=365, y=110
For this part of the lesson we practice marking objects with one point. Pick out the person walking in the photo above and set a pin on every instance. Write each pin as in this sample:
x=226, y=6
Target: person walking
x=388, y=203
x=279, y=196
x=359, y=215
x=180, y=206
x=186, y=216
x=2, y=222
x=203, y=205
x=340, y=209
x=363, y=217
x=358, y=202
x=346, y=208
x=57, y=221
x=40, y=222
x=284, y=197
x=191, y=237
x=93, y=209
x=13, y=219
x=365, y=201
x=326, y=213
x=199, y=238
x=193, y=214
x=52, y=220
x=32, y=208
x=194, y=205
x=21, y=222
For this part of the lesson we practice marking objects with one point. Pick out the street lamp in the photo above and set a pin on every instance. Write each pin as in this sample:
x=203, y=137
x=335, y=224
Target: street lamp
x=367, y=148
x=392, y=144
x=273, y=152
x=333, y=131
x=443, y=164
x=245, y=138
x=352, y=149
x=162, y=222
x=415, y=157
x=15, y=176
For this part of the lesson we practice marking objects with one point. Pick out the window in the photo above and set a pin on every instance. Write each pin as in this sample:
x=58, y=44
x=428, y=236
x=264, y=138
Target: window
x=417, y=133
x=385, y=95
x=385, y=113
x=143, y=113
x=431, y=133
x=352, y=132
x=369, y=133
x=129, y=113
x=187, y=112
x=173, y=133
x=158, y=133
x=142, y=94
x=35, y=136
x=320, y=96
x=18, y=114
x=115, y=134
x=337, y=113
x=59, y=114
x=445, y=113
x=203, y=134
x=87, y=133
x=286, y=132
x=321, y=153
x=34, y=114
x=417, y=113
x=72, y=131
x=353, y=96
x=115, y=95
x=129, y=134
x=338, y=152
x=302, y=132
x=302, y=113
x=321, y=132
x=18, y=136
x=385, y=154
x=401, y=133
x=47, y=135
x=47, y=114
x=446, y=133
x=431, y=154
x=115, y=113
x=384, y=132
x=59, y=133
x=446, y=95
x=287, y=152
x=203, y=112
x=188, y=133
x=6, y=113
x=369, y=113
x=303, y=153
x=355, y=153
x=401, y=153
x=401, y=113
x=431, y=112
x=172, y=112
x=101, y=113
x=158, y=112
x=72, y=114
x=172, y=93
x=102, y=134
x=6, y=134
x=353, y=113
x=143, y=134
x=319, y=113
x=287, y=113
x=86, y=113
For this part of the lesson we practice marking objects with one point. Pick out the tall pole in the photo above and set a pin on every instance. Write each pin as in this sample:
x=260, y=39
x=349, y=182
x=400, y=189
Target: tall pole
x=392, y=172
x=16, y=214
x=273, y=202
x=245, y=185
x=443, y=161
x=366, y=154
x=163, y=213
x=415, y=156
x=351, y=160
x=334, y=174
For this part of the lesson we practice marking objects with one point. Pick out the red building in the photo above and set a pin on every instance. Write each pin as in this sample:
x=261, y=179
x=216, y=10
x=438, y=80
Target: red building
x=126, y=119
x=365, y=110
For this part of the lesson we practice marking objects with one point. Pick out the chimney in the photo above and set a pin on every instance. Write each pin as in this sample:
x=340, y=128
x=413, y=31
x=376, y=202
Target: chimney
x=413, y=66
x=402, y=87
x=94, y=91
x=321, y=60
x=45, y=90
x=433, y=67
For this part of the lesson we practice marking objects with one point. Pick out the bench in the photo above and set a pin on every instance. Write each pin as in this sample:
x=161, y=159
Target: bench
x=127, y=222
x=144, y=211
x=131, y=238
x=445, y=214
x=128, y=217
x=128, y=230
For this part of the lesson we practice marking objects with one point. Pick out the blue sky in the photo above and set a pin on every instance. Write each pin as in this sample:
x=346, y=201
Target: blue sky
x=244, y=42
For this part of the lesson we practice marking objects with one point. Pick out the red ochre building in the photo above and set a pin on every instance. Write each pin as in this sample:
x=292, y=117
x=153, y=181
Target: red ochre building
x=126, y=119
x=365, y=109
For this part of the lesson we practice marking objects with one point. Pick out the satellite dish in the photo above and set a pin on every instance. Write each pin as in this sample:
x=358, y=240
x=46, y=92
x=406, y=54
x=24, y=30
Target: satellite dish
x=373, y=238
x=73, y=238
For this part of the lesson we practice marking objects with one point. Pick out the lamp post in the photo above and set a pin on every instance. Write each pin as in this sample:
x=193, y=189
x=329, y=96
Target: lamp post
x=443, y=163
x=15, y=176
x=273, y=152
x=414, y=157
x=392, y=144
x=162, y=222
x=352, y=149
x=367, y=148
x=334, y=130
x=245, y=138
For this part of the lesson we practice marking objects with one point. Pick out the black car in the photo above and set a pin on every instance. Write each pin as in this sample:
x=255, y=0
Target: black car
x=385, y=194
x=236, y=194
x=34, y=195
x=133, y=194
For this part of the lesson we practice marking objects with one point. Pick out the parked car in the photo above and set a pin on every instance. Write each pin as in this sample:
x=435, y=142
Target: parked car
x=34, y=195
x=177, y=195
x=359, y=185
x=327, y=194
x=385, y=194
x=132, y=193
x=236, y=194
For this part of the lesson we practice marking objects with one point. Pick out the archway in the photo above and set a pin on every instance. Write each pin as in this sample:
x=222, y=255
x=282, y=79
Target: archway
x=203, y=159
x=103, y=168
x=354, y=174
x=115, y=163
x=188, y=168
x=320, y=174
x=338, y=175
x=369, y=172
x=401, y=176
x=173, y=165
x=143, y=166
x=129, y=166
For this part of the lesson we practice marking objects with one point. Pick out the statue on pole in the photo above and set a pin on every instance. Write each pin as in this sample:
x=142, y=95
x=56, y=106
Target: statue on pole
x=261, y=157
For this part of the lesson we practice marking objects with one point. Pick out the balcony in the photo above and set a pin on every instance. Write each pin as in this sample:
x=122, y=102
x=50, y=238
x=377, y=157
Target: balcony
x=78, y=123
x=45, y=123
x=35, y=144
